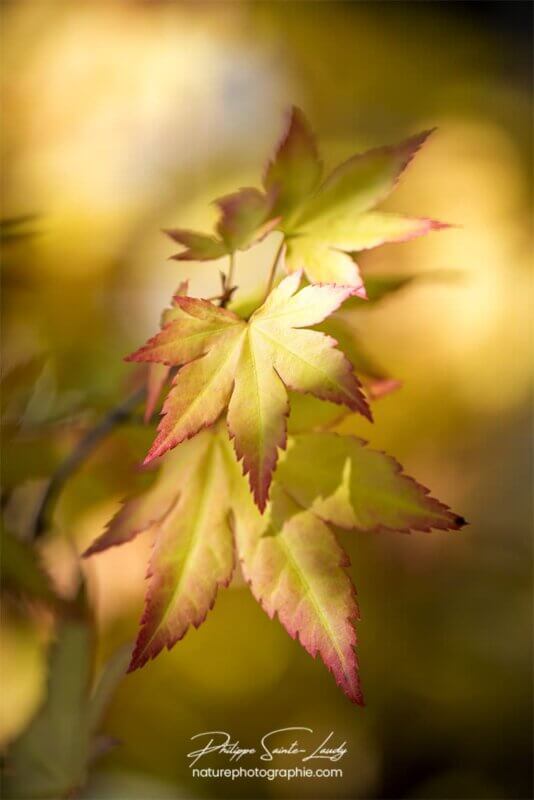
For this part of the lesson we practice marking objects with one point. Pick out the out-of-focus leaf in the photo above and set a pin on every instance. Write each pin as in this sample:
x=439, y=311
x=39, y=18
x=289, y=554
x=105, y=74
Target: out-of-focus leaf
x=248, y=367
x=308, y=413
x=380, y=286
x=41, y=402
x=138, y=515
x=199, y=246
x=15, y=228
x=50, y=759
x=108, y=680
x=375, y=379
x=21, y=570
x=246, y=217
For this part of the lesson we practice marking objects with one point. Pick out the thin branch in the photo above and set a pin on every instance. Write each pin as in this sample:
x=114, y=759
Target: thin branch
x=117, y=416
x=273, y=271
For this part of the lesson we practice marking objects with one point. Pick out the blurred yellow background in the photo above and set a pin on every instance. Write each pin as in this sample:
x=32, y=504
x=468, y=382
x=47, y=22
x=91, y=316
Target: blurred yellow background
x=122, y=118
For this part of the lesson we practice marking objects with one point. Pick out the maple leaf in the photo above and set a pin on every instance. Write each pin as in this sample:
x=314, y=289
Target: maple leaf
x=295, y=170
x=21, y=571
x=186, y=509
x=309, y=413
x=299, y=575
x=159, y=373
x=292, y=559
x=52, y=755
x=247, y=367
x=246, y=216
x=290, y=556
x=324, y=223
x=354, y=487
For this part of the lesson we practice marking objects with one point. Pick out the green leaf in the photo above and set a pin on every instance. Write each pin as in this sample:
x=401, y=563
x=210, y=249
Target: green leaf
x=358, y=184
x=50, y=759
x=354, y=487
x=325, y=224
x=198, y=246
x=380, y=286
x=295, y=169
x=21, y=570
x=341, y=326
x=112, y=673
x=308, y=413
x=246, y=217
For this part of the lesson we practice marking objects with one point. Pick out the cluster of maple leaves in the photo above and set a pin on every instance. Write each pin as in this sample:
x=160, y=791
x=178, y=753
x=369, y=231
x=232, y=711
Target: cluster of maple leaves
x=237, y=370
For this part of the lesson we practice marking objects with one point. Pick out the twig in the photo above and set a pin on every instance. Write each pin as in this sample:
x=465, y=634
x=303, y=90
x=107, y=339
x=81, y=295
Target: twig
x=273, y=271
x=117, y=416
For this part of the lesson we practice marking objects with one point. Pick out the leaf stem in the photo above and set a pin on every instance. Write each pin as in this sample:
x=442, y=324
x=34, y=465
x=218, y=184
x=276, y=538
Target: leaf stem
x=227, y=288
x=272, y=273
x=230, y=276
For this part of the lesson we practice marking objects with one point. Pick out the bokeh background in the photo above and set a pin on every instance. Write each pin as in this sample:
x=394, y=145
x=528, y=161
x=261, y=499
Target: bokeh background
x=122, y=118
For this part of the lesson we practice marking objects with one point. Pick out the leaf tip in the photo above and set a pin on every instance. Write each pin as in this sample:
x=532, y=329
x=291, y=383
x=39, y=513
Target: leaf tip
x=380, y=387
x=151, y=456
x=133, y=665
x=360, y=291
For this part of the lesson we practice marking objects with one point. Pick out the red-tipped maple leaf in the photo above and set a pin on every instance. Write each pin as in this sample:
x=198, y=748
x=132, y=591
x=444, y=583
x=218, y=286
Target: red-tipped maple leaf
x=159, y=373
x=186, y=509
x=324, y=223
x=299, y=575
x=289, y=556
x=247, y=367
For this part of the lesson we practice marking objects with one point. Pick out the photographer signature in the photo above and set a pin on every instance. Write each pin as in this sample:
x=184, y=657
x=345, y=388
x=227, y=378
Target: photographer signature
x=274, y=743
